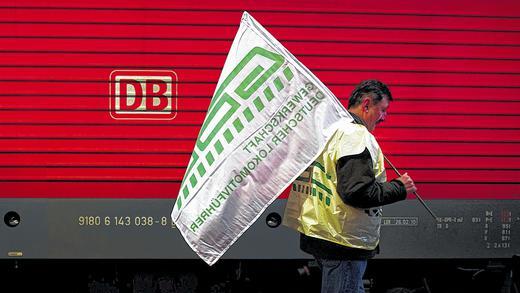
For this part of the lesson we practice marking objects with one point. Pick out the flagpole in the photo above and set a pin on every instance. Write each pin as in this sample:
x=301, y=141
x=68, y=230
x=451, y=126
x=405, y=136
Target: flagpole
x=415, y=192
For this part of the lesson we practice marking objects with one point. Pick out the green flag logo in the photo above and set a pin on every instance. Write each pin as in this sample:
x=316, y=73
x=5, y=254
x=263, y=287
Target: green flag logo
x=231, y=110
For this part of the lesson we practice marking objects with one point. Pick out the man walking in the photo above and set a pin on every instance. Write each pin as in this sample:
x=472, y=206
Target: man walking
x=336, y=203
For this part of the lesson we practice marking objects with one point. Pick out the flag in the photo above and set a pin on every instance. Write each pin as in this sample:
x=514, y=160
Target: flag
x=268, y=120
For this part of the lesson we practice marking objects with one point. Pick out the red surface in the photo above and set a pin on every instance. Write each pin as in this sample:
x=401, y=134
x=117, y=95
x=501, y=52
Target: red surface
x=453, y=68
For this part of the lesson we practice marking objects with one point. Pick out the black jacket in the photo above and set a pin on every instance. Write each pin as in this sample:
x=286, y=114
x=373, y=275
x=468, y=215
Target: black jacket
x=357, y=186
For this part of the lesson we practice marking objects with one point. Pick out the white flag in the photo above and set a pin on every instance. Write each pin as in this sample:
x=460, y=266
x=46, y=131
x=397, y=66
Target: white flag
x=269, y=118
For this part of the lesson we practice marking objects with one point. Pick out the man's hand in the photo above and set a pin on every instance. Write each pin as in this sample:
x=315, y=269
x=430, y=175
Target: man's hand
x=408, y=183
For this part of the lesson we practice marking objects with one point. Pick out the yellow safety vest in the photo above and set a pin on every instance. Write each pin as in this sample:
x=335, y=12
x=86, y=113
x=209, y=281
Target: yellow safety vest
x=314, y=206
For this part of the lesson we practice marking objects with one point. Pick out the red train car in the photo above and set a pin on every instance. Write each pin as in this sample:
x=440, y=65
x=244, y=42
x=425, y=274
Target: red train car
x=81, y=176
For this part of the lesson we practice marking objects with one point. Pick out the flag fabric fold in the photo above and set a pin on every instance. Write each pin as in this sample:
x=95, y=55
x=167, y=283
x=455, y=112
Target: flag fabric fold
x=269, y=118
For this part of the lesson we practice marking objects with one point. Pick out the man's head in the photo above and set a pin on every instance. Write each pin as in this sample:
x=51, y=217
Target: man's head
x=370, y=101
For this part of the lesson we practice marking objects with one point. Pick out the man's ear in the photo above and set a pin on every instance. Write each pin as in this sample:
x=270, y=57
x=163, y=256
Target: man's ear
x=365, y=103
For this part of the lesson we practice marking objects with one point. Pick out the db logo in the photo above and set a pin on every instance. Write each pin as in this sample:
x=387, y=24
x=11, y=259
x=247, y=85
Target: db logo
x=143, y=94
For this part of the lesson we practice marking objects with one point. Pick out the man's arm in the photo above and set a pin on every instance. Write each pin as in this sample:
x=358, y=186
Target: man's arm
x=357, y=185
